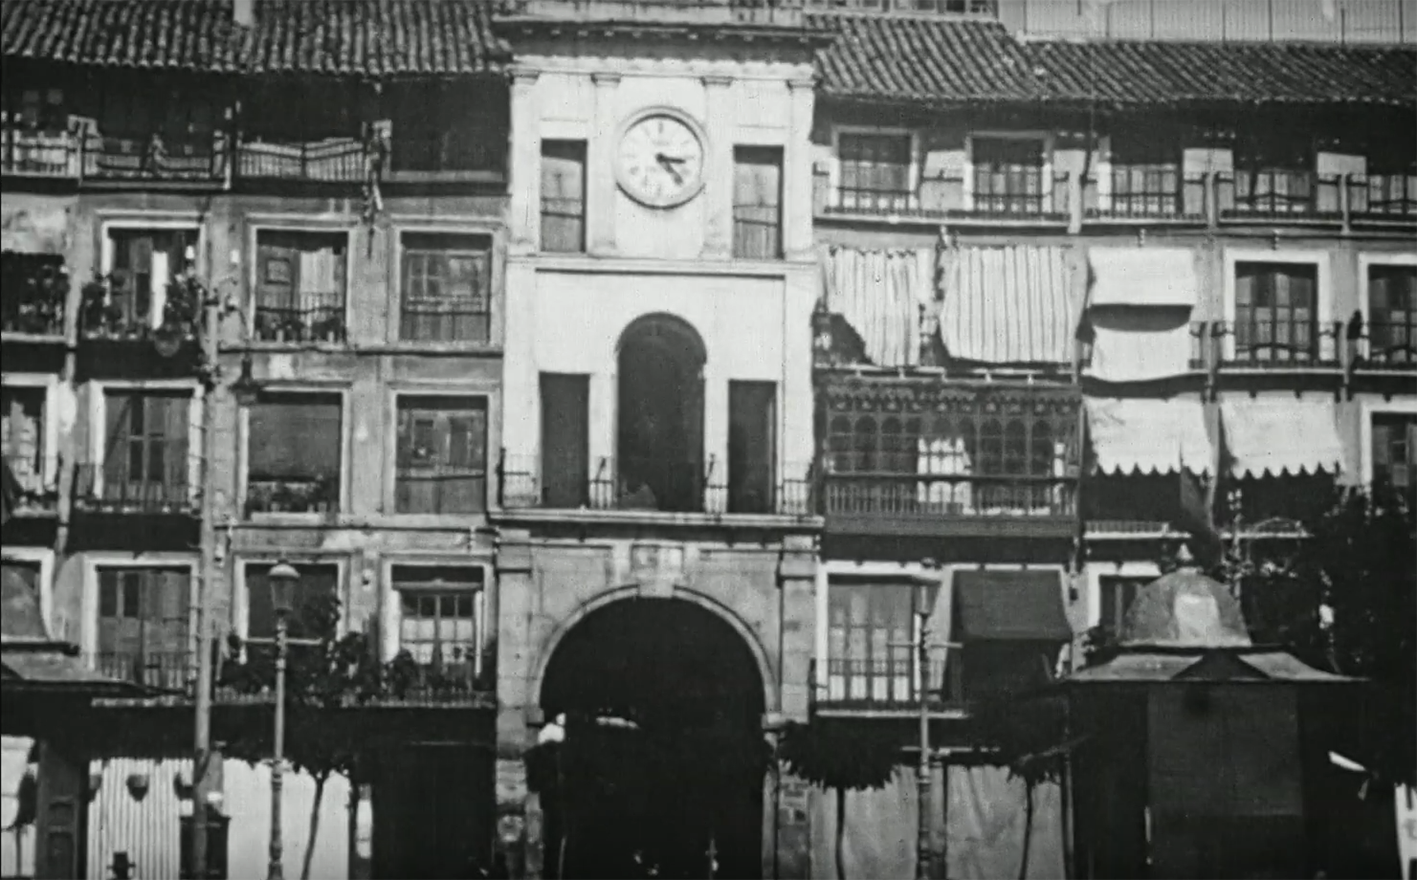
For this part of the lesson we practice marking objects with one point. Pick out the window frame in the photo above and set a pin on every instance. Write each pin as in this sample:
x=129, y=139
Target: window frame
x=397, y=397
x=241, y=589
x=1323, y=300
x=1096, y=571
x=243, y=439
x=393, y=640
x=404, y=225
x=401, y=292
x=1372, y=406
x=44, y=558
x=1046, y=139
x=1366, y=261
x=107, y=252
x=585, y=148
x=93, y=562
x=780, y=154
x=49, y=423
x=834, y=176
x=257, y=224
x=98, y=415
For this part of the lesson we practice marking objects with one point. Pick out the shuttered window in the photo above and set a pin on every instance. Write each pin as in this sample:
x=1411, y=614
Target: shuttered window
x=1395, y=451
x=442, y=455
x=143, y=624
x=293, y=453
x=869, y=654
x=757, y=203
x=317, y=582
x=1276, y=312
x=146, y=449
x=563, y=189
x=447, y=288
x=1392, y=314
x=22, y=435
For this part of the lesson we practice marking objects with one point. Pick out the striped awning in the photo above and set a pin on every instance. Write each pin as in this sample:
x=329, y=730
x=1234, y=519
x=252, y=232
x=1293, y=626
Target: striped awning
x=1148, y=436
x=1277, y=436
x=1011, y=305
x=880, y=293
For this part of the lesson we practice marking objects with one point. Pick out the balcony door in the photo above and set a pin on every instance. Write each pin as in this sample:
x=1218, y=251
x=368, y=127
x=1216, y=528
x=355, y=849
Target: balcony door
x=565, y=430
x=145, y=458
x=661, y=432
x=143, y=625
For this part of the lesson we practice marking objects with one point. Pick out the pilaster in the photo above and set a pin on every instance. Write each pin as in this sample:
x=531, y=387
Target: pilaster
x=797, y=580
x=524, y=171
x=797, y=173
x=718, y=169
x=600, y=158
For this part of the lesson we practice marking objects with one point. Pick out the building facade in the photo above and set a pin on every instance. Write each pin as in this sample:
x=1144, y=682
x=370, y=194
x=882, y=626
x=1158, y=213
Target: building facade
x=582, y=349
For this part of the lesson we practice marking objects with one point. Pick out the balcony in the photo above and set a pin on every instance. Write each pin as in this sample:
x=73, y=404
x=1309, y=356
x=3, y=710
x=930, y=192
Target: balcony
x=460, y=154
x=35, y=494
x=33, y=292
x=332, y=160
x=153, y=159
x=1022, y=197
x=319, y=320
x=114, y=489
x=887, y=686
x=657, y=485
x=779, y=13
x=172, y=672
x=1383, y=198
x=931, y=504
x=1151, y=192
x=317, y=494
x=1305, y=347
x=1279, y=195
x=26, y=151
x=463, y=679
x=1388, y=346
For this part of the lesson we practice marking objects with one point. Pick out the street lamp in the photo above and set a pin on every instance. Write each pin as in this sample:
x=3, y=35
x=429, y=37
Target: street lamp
x=284, y=579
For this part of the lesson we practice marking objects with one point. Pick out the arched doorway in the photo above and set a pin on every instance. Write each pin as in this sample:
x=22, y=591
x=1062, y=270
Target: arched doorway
x=660, y=441
x=664, y=755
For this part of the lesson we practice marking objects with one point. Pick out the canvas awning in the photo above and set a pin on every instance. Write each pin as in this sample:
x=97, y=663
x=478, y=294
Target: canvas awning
x=1010, y=305
x=1150, y=276
x=1276, y=436
x=881, y=293
x=50, y=667
x=1148, y=436
x=1009, y=606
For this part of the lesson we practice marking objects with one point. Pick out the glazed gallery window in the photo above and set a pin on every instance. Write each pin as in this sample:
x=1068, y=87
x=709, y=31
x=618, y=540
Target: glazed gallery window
x=442, y=455
x=143, y=625
x=447, y=288
x=440, y=615
x=1276, y=312
x=294, y=447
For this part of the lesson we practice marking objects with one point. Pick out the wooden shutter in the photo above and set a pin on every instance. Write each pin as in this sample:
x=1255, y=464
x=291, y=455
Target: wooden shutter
x=170, y=411
x=563, y=196
x=565, y=439
x=295, y=437
x=118, y=419
x=757, y=199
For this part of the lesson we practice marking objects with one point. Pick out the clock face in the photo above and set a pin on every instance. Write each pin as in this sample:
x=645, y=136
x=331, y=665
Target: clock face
x=660, y=161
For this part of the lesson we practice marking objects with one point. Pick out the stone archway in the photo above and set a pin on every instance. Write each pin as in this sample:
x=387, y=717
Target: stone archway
x=683, y=777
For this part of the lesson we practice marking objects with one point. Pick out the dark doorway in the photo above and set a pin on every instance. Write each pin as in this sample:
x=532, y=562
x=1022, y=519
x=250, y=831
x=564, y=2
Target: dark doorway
x=752, y=442
x=661, y=433
x=664, y=755
x=433, y=811
x=565, y=432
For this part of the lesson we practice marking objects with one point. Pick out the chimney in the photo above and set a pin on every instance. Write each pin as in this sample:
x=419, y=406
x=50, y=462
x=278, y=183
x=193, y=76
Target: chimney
x=243, y=12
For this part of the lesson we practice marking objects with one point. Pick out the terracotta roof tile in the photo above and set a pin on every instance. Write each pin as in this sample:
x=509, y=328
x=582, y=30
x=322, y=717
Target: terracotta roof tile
x=922, y=60
x=1129, y=73
x=341, y=37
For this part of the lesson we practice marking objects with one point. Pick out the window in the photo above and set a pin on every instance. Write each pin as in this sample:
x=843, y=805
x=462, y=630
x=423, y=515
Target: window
x=442, y=455
x=447, y=288
x=294, y=446
x=36, y=110
x=314, y=613
x=143, y=625
x=757, y=203
x=563, y=189
x=1392, y=314
x=1117, y=592
x=145, y=458
x=1276, y=313
x=752, y=446
x=1009, y=175
x=1146, y=172
x=565, y=438
x=22, y=436
x=440, y=615
x=1395, y=451
x=875, y=172
x=1274, y=172
x=300, y=286
x=870, y=658
x=446, y=128
x=142, y=264
x=24, y=615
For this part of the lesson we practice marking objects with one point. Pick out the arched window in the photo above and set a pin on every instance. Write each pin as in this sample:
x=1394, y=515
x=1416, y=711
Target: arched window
x=865, y=444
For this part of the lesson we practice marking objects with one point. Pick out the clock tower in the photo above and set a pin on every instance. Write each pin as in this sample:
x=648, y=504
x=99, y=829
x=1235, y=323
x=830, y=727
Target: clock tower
x=657, y=532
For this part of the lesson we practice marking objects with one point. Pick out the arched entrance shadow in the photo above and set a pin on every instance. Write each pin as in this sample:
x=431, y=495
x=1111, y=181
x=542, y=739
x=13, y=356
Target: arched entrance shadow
x=678, y=772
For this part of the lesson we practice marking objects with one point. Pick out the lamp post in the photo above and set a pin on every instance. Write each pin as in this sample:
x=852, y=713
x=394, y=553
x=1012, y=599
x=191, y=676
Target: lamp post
x=283, y=579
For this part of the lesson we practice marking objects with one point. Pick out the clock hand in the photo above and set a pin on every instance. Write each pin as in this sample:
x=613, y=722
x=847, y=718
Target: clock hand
x=668, y=165
x=662, y=158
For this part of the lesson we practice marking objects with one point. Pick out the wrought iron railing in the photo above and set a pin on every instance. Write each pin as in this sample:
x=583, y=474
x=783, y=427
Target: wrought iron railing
x=656, y=485
x=114, y=488
x=1383, y=196
x=458, y=678
x=171, y=671
x=942, y=496
x=37, y=152
x=320, y=318
x=154, y=158
x=1278, y=194
x=1149, y=191
x=440, y=488
x=35, y=492
x=33, y=293
x=1389, y=344
x=890, y=683
x=1018, y=191
x=333, y=160
x=1299, y=345
x=315, y=494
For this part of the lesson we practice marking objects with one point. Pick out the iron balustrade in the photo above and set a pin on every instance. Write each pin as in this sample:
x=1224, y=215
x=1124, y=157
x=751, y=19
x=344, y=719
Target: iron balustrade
x=1279, y=194
x=1309, y=345
x=1149, y=191
x=154, y=158
x=320, y=319
x=37, y=152
x=1382, y=196
x=315, y=494
x=656, y=485
x=174, y=672
x=1389, y=345
x=1018, y=191
x=332, y=160
x=112, y=488
x=890, y=683
x=463, y=677
x=941, y=496
x=33, y=292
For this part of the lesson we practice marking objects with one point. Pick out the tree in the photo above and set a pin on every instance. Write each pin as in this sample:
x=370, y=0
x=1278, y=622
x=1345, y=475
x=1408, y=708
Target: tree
x=838, y=757
x=1345, y=600
x=335, y=673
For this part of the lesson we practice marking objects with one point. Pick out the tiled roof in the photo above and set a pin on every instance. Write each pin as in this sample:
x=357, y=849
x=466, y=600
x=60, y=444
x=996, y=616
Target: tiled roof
x=1129, y=73
x=343, y=37
x=943, y=61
